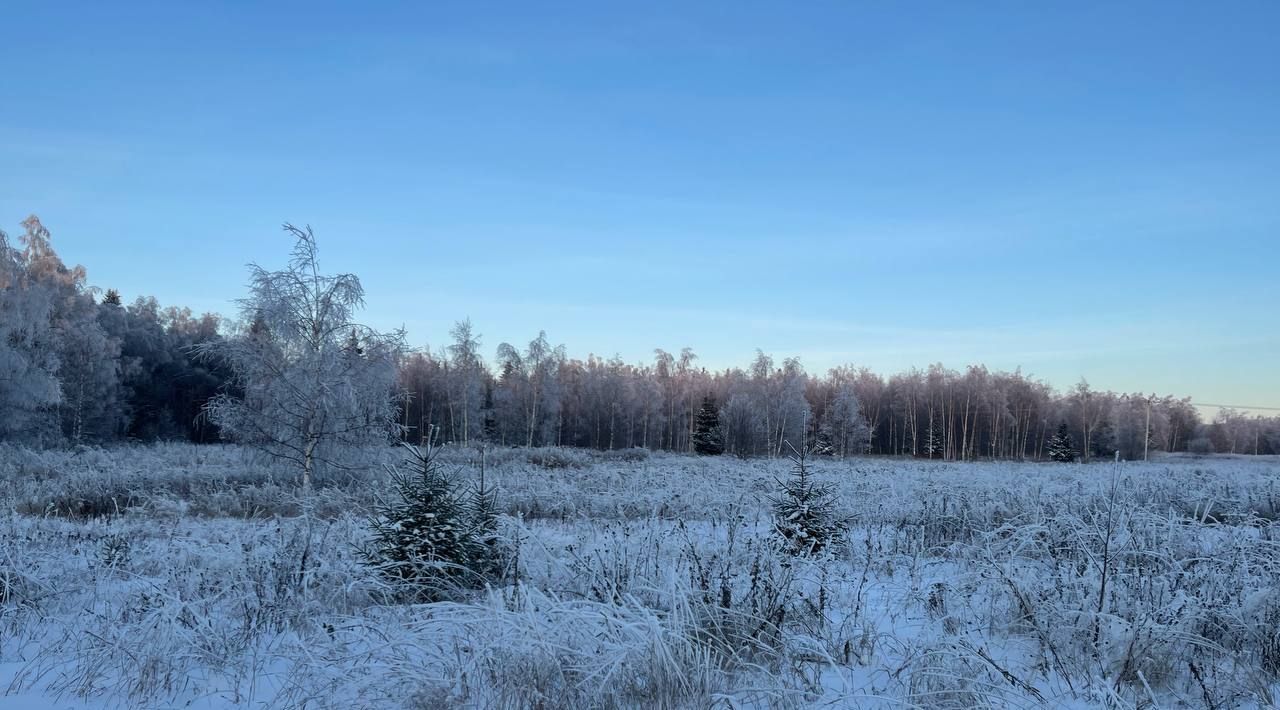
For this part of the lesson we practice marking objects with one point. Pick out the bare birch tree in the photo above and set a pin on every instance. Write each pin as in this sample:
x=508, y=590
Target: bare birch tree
x=309, y=385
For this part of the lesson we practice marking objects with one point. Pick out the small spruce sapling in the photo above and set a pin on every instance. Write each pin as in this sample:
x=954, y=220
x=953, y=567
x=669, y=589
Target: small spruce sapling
x=804, y=511
x=482, y=508
x=434, y=537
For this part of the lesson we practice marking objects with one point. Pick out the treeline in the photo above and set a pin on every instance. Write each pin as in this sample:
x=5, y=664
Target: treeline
x=77, y=365
x=538, y=396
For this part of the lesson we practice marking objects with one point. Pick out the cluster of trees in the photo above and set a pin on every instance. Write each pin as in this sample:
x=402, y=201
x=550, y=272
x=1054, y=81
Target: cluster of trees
x=297, y=376
x=1234, y=432
x=538, y=396
x=78, y=368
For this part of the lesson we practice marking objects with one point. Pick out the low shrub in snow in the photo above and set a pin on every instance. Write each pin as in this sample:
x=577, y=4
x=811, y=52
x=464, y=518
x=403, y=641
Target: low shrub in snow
x=559, y=458
x=632, y=455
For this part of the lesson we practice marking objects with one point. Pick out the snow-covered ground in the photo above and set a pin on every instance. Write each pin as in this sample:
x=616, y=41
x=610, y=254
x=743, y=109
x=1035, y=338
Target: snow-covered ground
x=182, y=576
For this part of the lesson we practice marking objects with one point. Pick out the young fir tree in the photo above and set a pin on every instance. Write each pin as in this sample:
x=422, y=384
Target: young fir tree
x=1061, y=448
x=436, y=537
x=707, y=439
x=804, y=511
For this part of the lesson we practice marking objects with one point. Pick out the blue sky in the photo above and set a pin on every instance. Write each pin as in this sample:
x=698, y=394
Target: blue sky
x=1079, y=189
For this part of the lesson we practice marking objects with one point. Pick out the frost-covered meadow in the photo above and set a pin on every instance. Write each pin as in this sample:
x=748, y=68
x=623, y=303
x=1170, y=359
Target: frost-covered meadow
x=179, y=575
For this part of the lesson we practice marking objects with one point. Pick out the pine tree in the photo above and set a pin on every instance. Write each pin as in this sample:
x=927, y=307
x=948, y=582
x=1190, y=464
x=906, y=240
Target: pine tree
x=804, y=512
x=707, y=439
x=1061, y=448
x=435, y=538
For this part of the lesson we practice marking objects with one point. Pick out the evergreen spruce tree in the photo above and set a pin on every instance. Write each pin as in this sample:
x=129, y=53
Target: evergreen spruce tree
x=932, y=443
x=822, y=440
x=1061, y=448
x=482, y=509
x=707, y=439
x=435, y=538
x=804, y=511
x=488, y=420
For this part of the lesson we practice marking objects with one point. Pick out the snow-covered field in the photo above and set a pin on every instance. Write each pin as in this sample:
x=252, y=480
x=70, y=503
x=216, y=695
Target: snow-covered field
x=182, y=576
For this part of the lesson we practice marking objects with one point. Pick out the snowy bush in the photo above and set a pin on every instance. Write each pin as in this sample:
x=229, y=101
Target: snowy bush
x=632, y=455
x=559, y=458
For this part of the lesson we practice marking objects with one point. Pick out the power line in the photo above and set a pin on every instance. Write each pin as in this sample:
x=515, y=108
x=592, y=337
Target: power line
x=1234, y=406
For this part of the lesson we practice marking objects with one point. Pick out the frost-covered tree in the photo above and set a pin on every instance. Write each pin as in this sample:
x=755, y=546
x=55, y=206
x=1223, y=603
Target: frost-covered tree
x=49, y=312
x=791, y=409
x=29, y=392
x=75, y=370
x=843, y=427
x=1272, y=434
x=528, y=397
x=311, y=386
x=1088, y=409
x=707, y=439
x=1061, y=448
x=164, y=383
x=804, y=510
x=89, y=372
x=676, y=379
x=467, y=383
x=742, y=424
x=782, y=411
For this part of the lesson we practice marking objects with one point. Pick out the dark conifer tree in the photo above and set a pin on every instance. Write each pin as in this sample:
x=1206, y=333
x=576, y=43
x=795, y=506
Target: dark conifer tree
x=436, y=538
x=1061, y=448
x=805, y=510
x=932, y=443
x=707, y=439
x=489, y=422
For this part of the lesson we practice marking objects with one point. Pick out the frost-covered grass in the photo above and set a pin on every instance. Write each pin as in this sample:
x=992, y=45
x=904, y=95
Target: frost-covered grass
x=176, y=575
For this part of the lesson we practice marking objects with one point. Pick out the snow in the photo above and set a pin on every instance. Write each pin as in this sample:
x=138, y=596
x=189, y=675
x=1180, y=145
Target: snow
x=960, y=585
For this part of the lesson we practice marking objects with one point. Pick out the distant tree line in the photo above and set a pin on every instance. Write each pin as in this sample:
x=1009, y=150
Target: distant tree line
x=537, y=396
x=77, y=365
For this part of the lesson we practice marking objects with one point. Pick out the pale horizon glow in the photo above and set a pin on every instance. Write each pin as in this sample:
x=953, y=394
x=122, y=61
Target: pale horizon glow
x=1080, y=192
